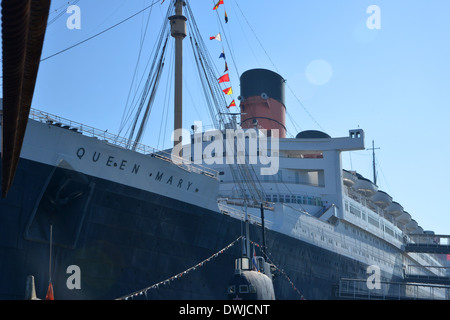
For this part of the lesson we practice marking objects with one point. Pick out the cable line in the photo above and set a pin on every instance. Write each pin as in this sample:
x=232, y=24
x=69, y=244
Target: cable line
x=101, y=32
x=273, y=64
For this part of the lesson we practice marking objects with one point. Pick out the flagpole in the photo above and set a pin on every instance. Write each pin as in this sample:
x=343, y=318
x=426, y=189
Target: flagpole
x=49, y=295
x=247, y=233
x=50, y=256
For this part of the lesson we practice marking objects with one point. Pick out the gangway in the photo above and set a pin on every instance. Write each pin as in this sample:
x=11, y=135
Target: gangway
x=428, y=243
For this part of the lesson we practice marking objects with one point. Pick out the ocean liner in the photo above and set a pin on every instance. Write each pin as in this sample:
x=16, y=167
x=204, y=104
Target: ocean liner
x=136, y=222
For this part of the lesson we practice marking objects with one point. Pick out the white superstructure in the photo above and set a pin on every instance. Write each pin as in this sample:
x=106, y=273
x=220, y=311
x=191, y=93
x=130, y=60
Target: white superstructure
x=313, y=199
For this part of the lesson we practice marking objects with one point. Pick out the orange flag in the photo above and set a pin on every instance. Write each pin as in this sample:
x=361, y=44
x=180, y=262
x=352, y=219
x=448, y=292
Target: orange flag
x=218, y=4
x=232, y=104
x=228, y=91
x=49, y=295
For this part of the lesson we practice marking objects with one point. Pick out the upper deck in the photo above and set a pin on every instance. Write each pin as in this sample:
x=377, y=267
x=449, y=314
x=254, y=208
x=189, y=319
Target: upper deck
x=118, y=141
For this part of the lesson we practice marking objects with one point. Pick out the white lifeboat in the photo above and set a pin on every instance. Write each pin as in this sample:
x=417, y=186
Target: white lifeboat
x=365, y=187
x=418, y=230
x=382, y=199
x=411, y=226
x=348, y=178
x=394, y=209
x=404, y=218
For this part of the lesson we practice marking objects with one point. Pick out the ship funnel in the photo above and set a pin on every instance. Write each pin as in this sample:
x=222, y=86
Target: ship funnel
x=262, y=101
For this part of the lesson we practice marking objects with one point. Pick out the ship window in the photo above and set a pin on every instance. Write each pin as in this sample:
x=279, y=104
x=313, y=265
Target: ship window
x=231, y=289
x=268, y=198
x=275, y=198
x=243, y=288
x=281, y=198
x=288, y=198
x=252, y=289
x=373, y=221
x=355, y=211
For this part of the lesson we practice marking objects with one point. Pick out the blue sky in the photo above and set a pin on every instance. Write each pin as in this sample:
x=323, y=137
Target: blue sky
x=393, y=82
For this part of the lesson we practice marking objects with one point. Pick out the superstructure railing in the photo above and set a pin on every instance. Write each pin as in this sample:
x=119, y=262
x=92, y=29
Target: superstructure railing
x=240, y=214
x=119, y=141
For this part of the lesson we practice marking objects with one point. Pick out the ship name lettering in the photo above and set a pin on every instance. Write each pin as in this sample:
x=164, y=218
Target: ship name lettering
x=135, y=168
x=110, y=161
x=95, y=159
x=80, y=153
x=159, y=176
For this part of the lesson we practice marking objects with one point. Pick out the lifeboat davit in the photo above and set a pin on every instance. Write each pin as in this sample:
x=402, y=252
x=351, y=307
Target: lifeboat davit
x=382, y=199
x=365, y=187
x=395, y=209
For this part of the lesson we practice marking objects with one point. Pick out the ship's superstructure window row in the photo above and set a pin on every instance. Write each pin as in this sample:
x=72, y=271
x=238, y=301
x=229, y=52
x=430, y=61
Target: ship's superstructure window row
x=290, y=198
x=365, y=215
x=287, y=198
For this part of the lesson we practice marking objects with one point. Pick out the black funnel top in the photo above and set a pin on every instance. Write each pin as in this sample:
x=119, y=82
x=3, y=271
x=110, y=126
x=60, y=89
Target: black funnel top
x=255, y=82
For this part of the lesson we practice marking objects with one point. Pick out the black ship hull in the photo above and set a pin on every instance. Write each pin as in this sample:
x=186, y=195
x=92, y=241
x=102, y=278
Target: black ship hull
x=124, y=239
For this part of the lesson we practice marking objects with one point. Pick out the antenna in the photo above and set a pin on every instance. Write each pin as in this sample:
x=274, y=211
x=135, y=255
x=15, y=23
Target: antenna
x=373, y=160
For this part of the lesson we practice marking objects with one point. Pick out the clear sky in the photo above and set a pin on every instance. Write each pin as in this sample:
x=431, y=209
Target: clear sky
x=393, y=82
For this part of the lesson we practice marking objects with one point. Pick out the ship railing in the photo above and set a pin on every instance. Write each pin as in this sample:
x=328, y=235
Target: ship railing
x=385, y=290
x=430, y=240
x=428, y=271
x=244, y=202
x=119, y=141
x=240, y=214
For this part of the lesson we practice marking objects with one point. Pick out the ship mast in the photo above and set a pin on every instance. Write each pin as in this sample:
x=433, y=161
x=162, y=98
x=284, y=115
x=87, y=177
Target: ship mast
x=373, y=162
x=178, y=31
